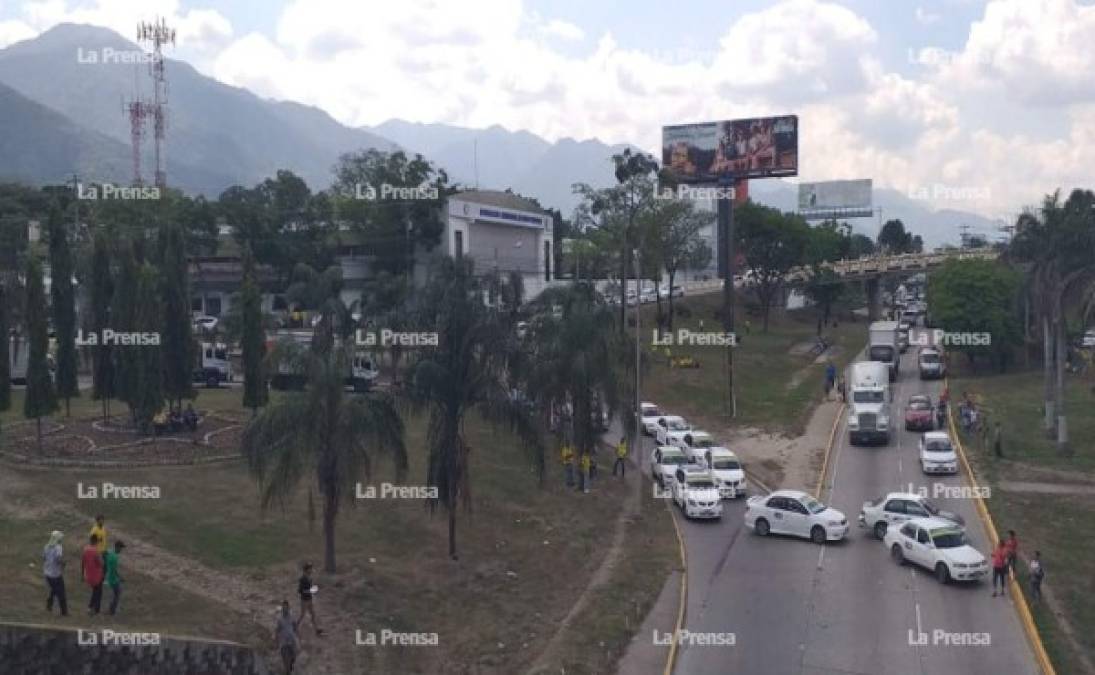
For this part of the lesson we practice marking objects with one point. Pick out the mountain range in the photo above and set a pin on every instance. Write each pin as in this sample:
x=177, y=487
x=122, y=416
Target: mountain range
x=63, y=114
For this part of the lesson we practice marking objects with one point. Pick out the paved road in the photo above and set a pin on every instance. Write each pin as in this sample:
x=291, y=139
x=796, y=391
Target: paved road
x=846, y=608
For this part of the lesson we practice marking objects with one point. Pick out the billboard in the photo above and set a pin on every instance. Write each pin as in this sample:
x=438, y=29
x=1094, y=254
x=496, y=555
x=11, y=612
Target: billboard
x=714, y=152
x=835, y=195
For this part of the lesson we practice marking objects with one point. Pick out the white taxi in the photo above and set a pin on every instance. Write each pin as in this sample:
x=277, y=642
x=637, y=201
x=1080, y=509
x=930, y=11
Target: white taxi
x=726, y=467
x=668, y=425
x=650, y=415
x=696, y=492
x=938, y=545
x=897, y=507
x=795, y=513
x=664, y=461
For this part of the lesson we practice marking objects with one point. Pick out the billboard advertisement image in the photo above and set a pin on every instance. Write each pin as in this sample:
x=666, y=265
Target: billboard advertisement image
x=713, y=152
x=835, y=194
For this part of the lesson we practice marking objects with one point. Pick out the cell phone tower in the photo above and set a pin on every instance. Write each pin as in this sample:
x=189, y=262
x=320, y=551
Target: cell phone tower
x=158, y=34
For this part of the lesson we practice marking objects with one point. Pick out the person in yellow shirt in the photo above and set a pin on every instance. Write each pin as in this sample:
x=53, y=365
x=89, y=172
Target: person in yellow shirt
x=583, y=476
x=568, y=464
x=99, y=530
x=621, y=455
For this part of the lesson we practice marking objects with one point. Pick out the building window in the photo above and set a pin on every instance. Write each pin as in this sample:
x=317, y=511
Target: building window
x=196, y=304
x=213, y=305
x=458, y=244
x=547, y=261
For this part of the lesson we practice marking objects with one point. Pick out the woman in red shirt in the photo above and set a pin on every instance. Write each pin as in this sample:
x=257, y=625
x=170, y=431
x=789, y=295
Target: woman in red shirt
x=1000, y=567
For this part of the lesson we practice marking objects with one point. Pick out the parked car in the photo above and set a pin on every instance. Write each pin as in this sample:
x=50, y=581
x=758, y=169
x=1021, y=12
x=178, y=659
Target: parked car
x=696, y=492
x=670, y=424
x=693, y=443
x=938, y=545
x=728, y=470
x=937, y=455
x=898, y=507
x=664, y=461
x=205, y=323
x=650, y=415
x=919, y=413
x=1088, y=340
x=795, y=513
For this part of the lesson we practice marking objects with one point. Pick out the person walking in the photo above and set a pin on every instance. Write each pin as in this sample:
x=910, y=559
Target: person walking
x=997, y=440
x=1012, y=546
x=621, y=455
x=842, y=388
x=53, y=567
x=1037, y=573
x=583, y=475
x=99, y=530
x=285, y=636
x=307, y=603
x=113, y=579
x=830, y=380
x=91, y=569
x=567, y=454
x=941, y=415
x=1000, y=568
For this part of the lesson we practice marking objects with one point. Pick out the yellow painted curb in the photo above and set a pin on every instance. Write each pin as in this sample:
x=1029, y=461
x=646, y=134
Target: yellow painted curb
x=671, y=660
x=1021, y=606
x=828, y=451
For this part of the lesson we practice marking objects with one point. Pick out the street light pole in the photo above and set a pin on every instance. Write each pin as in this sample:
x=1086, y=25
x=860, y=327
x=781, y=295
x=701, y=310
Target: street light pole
x=638, y=361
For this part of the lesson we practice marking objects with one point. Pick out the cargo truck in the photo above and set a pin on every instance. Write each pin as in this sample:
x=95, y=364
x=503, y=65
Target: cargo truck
x=883, y=346
x=361, y=372
x=869, y=397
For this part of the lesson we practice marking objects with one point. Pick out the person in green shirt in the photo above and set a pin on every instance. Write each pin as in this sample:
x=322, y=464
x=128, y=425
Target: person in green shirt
x=113, y=579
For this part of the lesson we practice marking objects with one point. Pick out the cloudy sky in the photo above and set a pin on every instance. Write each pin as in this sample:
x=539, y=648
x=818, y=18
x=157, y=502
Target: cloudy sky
x=981, y=105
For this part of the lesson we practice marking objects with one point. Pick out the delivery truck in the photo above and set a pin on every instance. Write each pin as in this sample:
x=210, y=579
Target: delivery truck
x=869, y=398
x=884, y=347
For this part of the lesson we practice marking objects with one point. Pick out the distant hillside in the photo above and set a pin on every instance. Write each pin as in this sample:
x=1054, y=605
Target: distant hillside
x=226, y=133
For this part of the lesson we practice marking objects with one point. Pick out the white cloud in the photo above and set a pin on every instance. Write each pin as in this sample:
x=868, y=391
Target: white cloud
x=563, y=30
x=14, y=31
x=926, y=17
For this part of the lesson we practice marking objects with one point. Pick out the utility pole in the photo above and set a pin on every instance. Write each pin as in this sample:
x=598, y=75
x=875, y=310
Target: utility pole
x=725, y=217
x=638, y=361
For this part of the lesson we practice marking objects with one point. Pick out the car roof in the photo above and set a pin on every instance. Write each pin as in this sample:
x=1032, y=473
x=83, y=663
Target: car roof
x=699, y=432
x=936, y=436
x=670, y=449
x=903, y=495
x=793, y=494
x=673, y=417
x=719, y=451
x=933, y=523
x=648, y=404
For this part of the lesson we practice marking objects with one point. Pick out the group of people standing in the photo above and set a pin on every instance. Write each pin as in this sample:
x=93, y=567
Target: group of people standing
x=587, y=465
x=1004, y=558
x=99, y=565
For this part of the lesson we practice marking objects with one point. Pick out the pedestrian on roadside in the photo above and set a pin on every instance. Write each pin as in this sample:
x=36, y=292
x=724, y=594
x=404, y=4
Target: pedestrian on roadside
x=285, y=636
x=997, y=440
x=583, y=474
x=830, y=379
x=1037, y=573
x=568, y=464
x=53, y=566
x=307, y=603
x=113, y=579
x=99, y=530
x=1000, y=568
x=1012, y=545
x=842, y=387
x=621, y=455
x=941, y=415
x=91, y=569
x=592, y=465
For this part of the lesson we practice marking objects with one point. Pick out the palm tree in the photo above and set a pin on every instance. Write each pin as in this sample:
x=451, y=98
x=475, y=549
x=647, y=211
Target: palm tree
x=323, y=435
x=576, y=364
x=466, y=371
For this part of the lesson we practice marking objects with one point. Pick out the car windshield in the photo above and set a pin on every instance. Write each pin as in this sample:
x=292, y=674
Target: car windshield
x=930, y=506
x=812, y=505
x=651, y=412
x=703, y=443
x=677, y=425
x=867, y=397
x=726, y=464
x=919, y=404
x=938, y=445
x=881, y=353
x=949, y=538
x=930, y=357
x=701, y=483
x=673, y=459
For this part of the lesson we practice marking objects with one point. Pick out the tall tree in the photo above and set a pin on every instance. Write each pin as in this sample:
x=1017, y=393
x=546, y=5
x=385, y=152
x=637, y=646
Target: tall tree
x=5, y=351
x=177, y=342
x=149, y=371
x=672, y=229
x=977, y=296
x=825, y=243
x=466, y=371
x=894, y=239
x=772, y=243
x=323, y=436
x=41, y=399
x=102, y=293
x=123, y=316
x=63, y=298
x=252, y=337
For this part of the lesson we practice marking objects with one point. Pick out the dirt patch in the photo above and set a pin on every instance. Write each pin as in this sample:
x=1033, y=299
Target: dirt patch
x=1047, y=488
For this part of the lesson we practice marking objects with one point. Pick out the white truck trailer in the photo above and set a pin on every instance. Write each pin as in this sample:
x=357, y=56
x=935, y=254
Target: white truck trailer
x=869, y=395
x=883, y=346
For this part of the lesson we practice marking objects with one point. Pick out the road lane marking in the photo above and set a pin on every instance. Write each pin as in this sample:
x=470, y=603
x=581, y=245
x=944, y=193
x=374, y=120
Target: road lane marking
x=821, y=556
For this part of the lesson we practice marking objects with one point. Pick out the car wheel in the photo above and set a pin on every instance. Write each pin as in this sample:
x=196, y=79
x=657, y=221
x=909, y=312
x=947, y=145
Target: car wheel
x=897, y=555
x=942, y=574
x=761, y=527
x=880, y=529
x=817, y=534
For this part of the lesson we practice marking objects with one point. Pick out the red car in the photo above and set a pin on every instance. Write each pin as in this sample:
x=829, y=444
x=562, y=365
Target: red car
x=919, y=414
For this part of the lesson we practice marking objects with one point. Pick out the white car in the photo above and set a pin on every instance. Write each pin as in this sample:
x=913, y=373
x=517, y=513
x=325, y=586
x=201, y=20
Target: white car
x=694, y=443
x=670, y=424
x=696, y=492
x=937, y=455
x=1088, y=340
x=650, y=414
x=899, y=507
x=664, y=462
x=795, y=513
x=205, y=323
x=938, y=545
x=725, y=465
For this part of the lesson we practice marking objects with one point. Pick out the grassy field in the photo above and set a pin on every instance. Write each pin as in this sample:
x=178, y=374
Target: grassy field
x=1061, y=526
x=527, y=553
x=776, y=382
